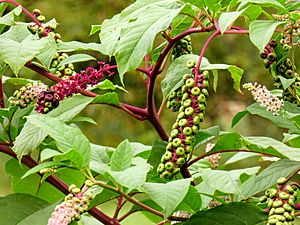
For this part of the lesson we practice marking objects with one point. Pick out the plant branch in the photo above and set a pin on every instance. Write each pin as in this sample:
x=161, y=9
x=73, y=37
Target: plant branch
x=24, y=10
x=136, y=112
x=2, y=103
x=136, y=202
x=126, y=215
x=223, y=151
x=60, y=185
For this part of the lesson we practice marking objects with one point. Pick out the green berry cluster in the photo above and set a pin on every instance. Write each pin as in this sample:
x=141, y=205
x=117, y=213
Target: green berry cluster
x=43, y=29
x=191, y=114
x=174, y=100
x=280, y=202
x=291, y=34
x=183, y=46
x=63, y=71
x=276, y=58
x=27, y=94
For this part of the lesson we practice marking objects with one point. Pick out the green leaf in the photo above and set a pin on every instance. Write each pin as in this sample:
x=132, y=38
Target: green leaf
x=104, y=196
x=265, y=3
x=168, y=195
x=240, y=156
x=107, y=85
x=79, y=46
x=44, y=165
x=46, y=56
x=16, y=54
x=107, y=98
x=192, y=201
x=122, y=157
x=18, y=32
x=39, y=217
x=261, y=32
x=279, y=120
x=177, y=69
x=236, y=119
x=131, y=178
x=286, y=82
x=269, y=176
x=76, y=58
x=95, y=29
x=66, y=137
x=226, y=181
x=16, y=81
x=48, y=153
x=28, y=140
x=83, y=119
x=158, y=149
x=227, y=18
x=9, y=18
x=70, y=107
x=16, y=207
x=137, y=37
x=236, y=213
x=73, y=156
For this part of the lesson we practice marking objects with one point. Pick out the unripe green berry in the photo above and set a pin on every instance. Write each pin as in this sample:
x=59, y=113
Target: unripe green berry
x=54, y=64
x=169, y=166
x=180, y=115
x=187, y=103
x=88, y=183
x=277, y=203
x=263, y=199
x=205, y=83
x=176, y=171
x=202, y=98
x=173, y=94
x=272, y=211
x=195, y=129
x=61, y=68
x=272, y=193
x=201, y=115
x=160, y=168
x=40, y=30
x=196, y=119
x=281, y=180
x=188, y=149
x=281, y=218
x=174, y=133
x=287, y=216
x=71, y=187
x=195, y=91
x=205, y=92
x=176, y=142
x=190, y=64
x=189, y=111
x=180, y=151
x=187, y=76
x=272, y=221
x=166, y=175
x=167, y=156
x=57, y=73
x=68, y=71
x=205, y=74
x=41, y=18
x=189, y=140
x=187, y=131
x=169, y=146
x=270, y=203
x=180, y=161
x=185, y=96
x=283, y=195
x=279, y=210
x=182, y=122
x=190, y=82
x=287, y=207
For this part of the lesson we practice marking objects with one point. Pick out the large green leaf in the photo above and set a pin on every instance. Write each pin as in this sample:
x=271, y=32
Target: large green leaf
x=122, y=157
x=32, y=136
x=158, y=149
x=265, y=3
x=192, y=201
x=76, y=58
x=131, y=178
x=16, y=207
x=168, y=195
x=279, y=120
x=110, y=98
x=137, y=37
x=227, y=18
x=9, y=18
x=66, y=137
x=235, y=213
x=226, y=181
x=177, y=69
x=261, y=32
x=78, y=46
x=111, y=28
x=16, y=54
x=40, y=217
x=269, y=176
x=46, y=56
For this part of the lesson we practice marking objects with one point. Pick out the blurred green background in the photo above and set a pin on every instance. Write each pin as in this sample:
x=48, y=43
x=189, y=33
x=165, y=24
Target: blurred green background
x=76, y=18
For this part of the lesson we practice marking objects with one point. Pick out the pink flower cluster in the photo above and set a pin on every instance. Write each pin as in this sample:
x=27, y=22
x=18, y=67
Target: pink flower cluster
x=263, y=96
x=70, y=209
x=50, y=99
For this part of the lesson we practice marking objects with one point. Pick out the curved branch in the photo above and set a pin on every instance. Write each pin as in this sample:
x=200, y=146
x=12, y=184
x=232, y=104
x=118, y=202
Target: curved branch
x=223, y=151
x=24, y=10
x=136, y=112
x=2, y=103
x=60, y=185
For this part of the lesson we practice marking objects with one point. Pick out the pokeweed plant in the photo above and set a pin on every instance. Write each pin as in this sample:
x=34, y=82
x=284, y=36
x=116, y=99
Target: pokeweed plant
x=62, y=178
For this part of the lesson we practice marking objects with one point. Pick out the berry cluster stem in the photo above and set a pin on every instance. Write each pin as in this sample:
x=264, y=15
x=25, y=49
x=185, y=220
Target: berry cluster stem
x=2, y=103
x=23, y=9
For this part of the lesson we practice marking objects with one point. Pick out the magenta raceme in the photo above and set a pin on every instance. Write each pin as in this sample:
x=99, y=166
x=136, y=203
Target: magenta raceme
x=48, y=100
x=187, y=125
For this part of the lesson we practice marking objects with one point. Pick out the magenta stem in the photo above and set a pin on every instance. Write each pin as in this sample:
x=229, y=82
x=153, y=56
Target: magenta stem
x=2, y=103
x=24, y=10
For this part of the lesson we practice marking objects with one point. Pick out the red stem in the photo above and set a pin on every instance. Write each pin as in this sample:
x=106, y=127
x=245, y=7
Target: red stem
x=24, y=10
x=60, y=185
x=2, y=103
